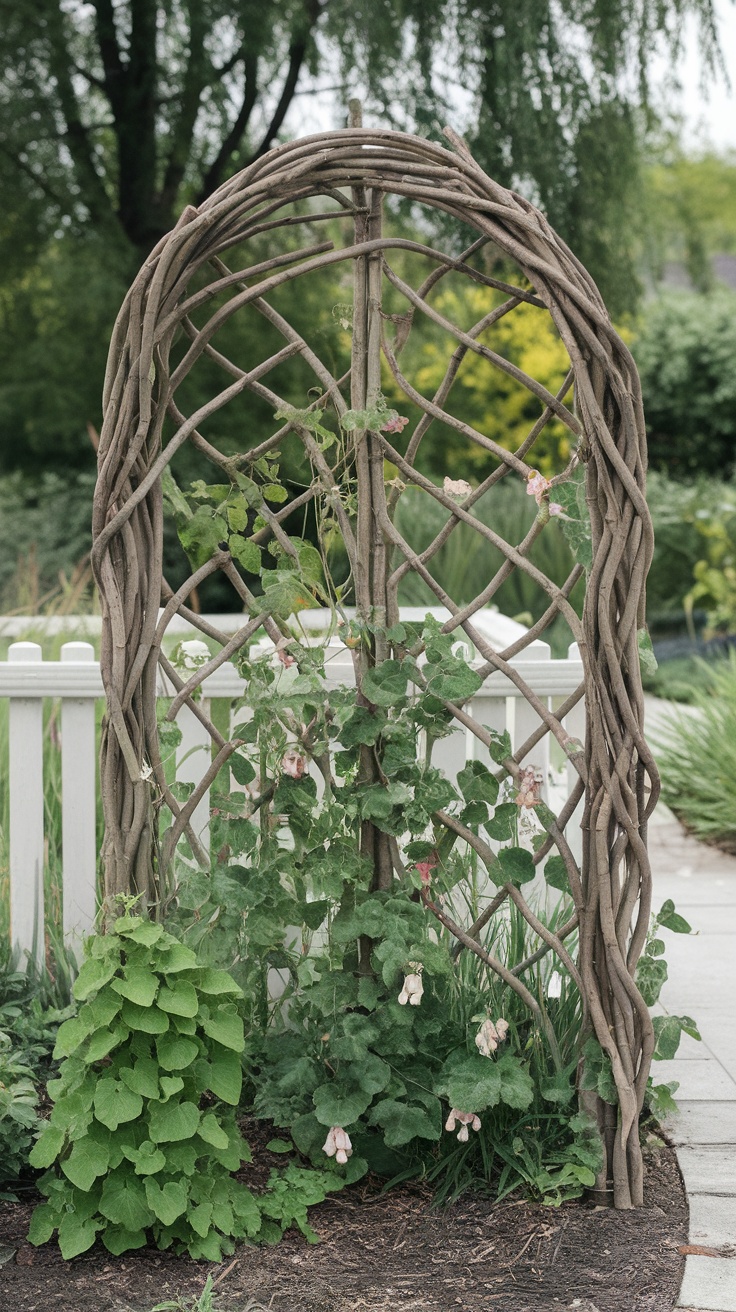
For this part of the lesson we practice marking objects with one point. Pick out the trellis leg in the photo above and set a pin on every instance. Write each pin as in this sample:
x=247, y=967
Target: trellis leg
x=78, y=792
x=25, y=734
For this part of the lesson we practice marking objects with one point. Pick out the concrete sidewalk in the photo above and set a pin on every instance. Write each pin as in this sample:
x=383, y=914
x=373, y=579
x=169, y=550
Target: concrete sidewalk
x=702, y=984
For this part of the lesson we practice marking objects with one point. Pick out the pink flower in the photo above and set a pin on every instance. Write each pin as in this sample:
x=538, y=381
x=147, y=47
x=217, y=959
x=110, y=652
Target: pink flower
x=556, y=510
x=489, y=1036
x=286, y=658
x=465, y=1119
x=530, y=787
x=456, y=487
x=338, y=1145
x=293, y=763
x=395, y=424
x=537, y=485
x=426, y=867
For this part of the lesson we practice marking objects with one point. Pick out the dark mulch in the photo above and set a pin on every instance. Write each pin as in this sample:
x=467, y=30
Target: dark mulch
x=391, y=1253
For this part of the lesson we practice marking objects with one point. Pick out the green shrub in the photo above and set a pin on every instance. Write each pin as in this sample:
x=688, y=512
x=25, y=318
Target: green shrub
x=685, y=354
x=697, y=757
x=143, y=1136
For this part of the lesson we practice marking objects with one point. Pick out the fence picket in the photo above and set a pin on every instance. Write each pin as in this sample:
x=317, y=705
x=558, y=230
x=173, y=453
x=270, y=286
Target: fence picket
x=78, y=792
x=25, y=733
x=26, y=679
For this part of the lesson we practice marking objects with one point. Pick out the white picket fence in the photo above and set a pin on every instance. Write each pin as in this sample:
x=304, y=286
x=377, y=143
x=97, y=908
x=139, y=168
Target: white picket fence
x=74, y=681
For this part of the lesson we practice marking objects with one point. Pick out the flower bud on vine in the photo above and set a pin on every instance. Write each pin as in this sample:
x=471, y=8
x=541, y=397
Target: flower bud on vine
x=489, y=1036
x=338, y=1145
x=413, y=989
x=465, y=1120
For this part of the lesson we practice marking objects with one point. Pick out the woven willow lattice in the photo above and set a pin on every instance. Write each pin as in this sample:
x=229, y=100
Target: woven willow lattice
x=168, y=327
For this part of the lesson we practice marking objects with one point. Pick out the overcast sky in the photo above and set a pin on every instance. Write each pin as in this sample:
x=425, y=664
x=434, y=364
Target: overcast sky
x=709, y=111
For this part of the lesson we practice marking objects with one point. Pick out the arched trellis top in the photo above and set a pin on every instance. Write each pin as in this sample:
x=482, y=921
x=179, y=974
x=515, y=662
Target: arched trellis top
x=185, y=293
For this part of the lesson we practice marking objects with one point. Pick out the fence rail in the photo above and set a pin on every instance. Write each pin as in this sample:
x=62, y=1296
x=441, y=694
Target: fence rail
x=75, y=684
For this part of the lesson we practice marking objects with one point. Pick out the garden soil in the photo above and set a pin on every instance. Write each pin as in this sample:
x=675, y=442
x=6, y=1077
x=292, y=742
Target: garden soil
x=390, y=1252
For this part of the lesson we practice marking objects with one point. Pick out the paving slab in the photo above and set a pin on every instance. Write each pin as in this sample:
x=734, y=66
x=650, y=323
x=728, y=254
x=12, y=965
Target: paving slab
x=700, y=1079
x=704, y=1123
x=709, y=1284
x=708, y=1169
x=712, y=1220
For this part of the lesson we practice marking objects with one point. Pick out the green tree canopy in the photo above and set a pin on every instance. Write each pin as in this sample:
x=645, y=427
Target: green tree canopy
x=115, y=113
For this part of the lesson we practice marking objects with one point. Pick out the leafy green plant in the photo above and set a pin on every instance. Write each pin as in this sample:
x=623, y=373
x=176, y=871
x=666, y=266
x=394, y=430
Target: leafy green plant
x=205, y=1302
x=696, y=753
x=143, y=1134
x=18, y=1115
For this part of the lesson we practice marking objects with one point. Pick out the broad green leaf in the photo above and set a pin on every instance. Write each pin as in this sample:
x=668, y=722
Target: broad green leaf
x=669, y=919
x=517, y=1086
x=103, y=1008
x=212, y=1132
x=180, y=999
x=237, y=515
x=516, y=865
x=167, y=1203
x=247, y=553
x=175, y=957
x=43, y=1224
x=386, y=684
x=334, y=1105
x=103, y=1041
x=477, y=784
x=555, y=873
x=147, y=933
x=170, y=1122
x=147, y=1160
x=226, y=1027
x=138, y=985
x=500, y=746
x=76, y=1235
x=651, y=974
x=93, y=974
x=170, y=1086
x=225, y=1077
x=73, y=1033
x=668, y=1031
x=470, y=1082
x=123, y=1200
x=116, y=1104
x=46, y=1149
x=502, y=824
x=402, y=1122
x=118, y=1240
x=200, y=1218
x=218, y=981
x=87, y=1160
x=142, y=1078
x=452, y=681
x=275, y=492
x=148, y=1019
x=242, y=769
x=201, y=535
x=176, y=1052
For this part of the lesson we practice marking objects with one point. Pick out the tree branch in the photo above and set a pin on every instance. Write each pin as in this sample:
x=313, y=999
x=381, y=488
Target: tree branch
x=214, y=174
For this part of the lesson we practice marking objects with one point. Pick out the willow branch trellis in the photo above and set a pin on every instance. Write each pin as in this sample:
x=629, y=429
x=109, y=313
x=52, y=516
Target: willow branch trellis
x=182, y=297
